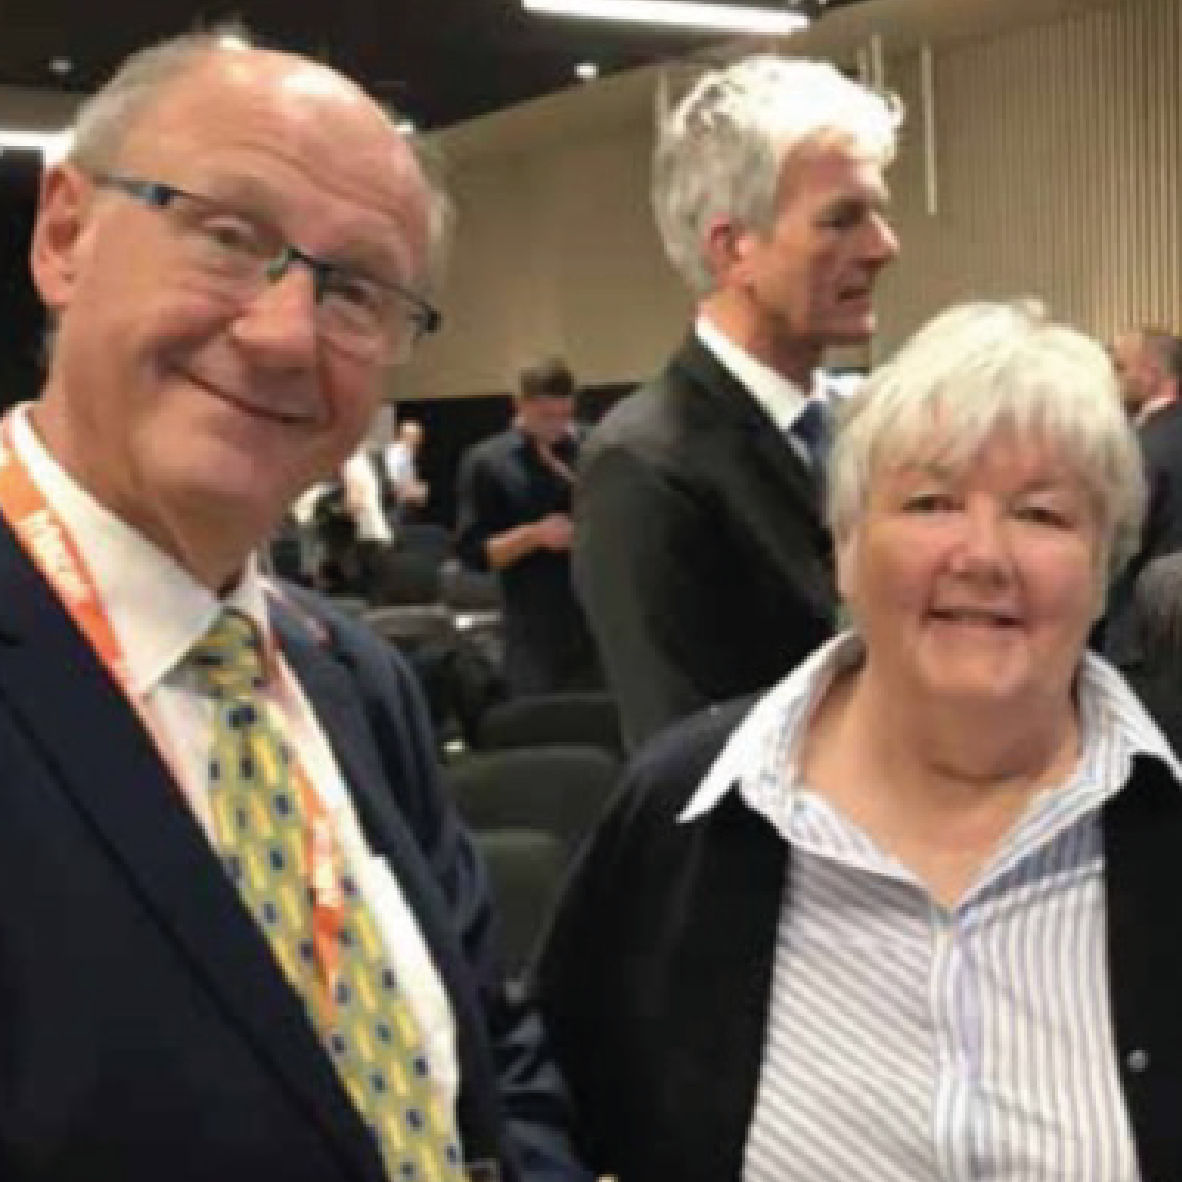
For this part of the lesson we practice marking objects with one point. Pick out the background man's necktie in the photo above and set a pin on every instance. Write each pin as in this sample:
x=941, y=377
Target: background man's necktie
x=361, y=1015
x=812, y=428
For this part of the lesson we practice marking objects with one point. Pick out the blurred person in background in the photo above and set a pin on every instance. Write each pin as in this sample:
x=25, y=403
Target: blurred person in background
x=1148, y=362
x=514, y=518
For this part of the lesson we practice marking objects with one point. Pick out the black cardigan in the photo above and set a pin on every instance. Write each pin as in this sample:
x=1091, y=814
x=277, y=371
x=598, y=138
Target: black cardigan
x=656, y=973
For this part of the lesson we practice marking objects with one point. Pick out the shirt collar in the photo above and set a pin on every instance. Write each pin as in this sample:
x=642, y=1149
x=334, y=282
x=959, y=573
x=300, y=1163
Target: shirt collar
x=781, y=398
x=753, y=755
x=157, y=610
x=1150, y=408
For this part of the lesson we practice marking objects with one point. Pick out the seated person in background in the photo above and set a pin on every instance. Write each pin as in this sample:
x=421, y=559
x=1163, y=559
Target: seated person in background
x=700, y=548
x=918, y=913
x=514, y=518
x=372, y=535
x=245, y=936
x=403, y=490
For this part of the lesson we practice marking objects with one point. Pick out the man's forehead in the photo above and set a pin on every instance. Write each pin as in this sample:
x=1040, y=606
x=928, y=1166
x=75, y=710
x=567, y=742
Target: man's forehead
x=252, y=108
x=232, y=86
x=832, y=167
x=1127, y=346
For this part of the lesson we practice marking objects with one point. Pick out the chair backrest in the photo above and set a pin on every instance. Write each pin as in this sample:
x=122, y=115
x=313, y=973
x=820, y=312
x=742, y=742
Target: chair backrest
x=589, y=719
x=411, y=622
x=557, y=790
x=425, y=538
x=407, y=578
x=462, y=587
x=525, y=870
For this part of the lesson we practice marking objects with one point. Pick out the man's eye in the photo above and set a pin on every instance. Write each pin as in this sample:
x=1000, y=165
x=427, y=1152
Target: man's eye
x=232, y=235
x=845, y=217
x=357, y=292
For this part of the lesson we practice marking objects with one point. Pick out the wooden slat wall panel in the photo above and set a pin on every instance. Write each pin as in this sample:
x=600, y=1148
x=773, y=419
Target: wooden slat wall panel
x=1060, y=173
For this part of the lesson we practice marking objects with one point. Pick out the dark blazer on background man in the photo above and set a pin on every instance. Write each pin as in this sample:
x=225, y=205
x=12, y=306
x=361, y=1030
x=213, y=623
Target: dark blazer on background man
x=146, y=1032
x=700, y=552
x=656, y=977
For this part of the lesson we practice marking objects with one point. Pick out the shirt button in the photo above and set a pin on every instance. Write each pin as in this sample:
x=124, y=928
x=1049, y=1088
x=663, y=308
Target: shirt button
x=1137, y=1060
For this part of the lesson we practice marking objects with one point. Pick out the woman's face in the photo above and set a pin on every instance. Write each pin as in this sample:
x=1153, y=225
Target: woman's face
x=977, y=586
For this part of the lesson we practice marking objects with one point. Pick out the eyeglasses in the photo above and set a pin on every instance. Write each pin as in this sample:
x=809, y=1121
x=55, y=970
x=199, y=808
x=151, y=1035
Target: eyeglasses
x=235, y=256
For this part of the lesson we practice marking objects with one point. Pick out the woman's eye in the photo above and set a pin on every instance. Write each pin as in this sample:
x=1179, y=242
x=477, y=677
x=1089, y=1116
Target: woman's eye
x=929, y=502
x=1045, y=515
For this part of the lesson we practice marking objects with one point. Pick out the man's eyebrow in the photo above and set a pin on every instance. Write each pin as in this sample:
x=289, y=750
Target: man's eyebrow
x=252, y=193
x=368, y=254
x=877, y=202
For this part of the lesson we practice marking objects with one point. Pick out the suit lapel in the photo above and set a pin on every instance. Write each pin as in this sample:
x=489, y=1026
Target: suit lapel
x=733, y=406
x=335, y=694
x=97, y=752
x=782, y=495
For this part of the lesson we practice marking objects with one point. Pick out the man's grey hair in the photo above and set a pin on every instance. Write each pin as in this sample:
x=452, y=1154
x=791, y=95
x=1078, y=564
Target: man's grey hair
x=1158, y=596
x=105, y=120
x=984, y=370
x=721, y=150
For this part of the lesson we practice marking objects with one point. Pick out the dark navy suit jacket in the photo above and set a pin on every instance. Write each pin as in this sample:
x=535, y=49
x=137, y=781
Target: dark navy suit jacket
x=145, y=1030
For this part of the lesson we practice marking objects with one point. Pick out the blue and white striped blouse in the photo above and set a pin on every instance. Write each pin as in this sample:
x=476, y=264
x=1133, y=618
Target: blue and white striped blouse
x=908, y=1042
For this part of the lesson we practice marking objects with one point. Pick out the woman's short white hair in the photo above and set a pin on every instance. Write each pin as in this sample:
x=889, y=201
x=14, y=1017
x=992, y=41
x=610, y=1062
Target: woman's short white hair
x=105, y=119
x=721, y=150
x=979, y=371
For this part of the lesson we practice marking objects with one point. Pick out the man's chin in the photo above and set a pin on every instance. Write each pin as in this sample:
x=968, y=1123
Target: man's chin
x=852, y=333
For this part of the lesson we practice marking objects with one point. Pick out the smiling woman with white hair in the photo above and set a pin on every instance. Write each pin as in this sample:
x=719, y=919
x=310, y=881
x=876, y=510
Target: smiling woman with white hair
x=912, y=916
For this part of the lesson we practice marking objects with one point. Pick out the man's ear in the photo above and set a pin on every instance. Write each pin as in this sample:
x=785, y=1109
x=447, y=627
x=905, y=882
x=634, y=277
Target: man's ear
x=727, y=248
x=58, y=234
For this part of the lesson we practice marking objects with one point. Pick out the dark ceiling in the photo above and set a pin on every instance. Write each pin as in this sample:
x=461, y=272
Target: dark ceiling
x=438, y=61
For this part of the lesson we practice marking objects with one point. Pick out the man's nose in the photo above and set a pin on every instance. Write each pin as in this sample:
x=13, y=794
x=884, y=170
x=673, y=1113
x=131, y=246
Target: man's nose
x=882, y=245
x=278, y=324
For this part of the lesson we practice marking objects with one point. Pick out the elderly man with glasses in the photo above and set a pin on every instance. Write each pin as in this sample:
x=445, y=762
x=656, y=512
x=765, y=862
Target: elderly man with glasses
x=246, y=936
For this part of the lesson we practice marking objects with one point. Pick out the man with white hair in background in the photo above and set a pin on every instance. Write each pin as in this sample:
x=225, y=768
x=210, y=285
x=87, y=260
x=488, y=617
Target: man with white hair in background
x=700, y=550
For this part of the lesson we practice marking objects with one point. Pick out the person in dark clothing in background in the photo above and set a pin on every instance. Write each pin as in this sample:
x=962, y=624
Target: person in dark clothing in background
x=700, y=549
x=514, y=518
x=1148, y=362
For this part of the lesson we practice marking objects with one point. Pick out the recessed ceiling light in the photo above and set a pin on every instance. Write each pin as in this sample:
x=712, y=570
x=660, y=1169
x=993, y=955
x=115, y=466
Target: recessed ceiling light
x=61, y=66
x=683, y=13
x=588, y=71
x=406, y=126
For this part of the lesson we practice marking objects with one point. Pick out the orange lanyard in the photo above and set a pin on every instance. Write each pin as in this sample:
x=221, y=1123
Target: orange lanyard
x=49, y=546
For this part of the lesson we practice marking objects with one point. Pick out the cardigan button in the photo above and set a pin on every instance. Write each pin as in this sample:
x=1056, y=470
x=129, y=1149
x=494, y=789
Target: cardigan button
x=1137, y=1060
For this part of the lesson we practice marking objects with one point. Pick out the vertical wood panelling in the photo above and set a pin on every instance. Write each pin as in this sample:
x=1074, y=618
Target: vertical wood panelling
x=1060, y=173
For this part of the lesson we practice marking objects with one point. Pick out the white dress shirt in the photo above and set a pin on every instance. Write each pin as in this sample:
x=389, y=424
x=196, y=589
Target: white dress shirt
x=363, y=495
x=780, y=398
x=158, y=612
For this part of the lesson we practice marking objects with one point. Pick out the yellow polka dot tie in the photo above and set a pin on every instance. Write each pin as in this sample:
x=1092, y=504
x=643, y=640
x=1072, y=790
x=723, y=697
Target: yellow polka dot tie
x=361, y=1015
